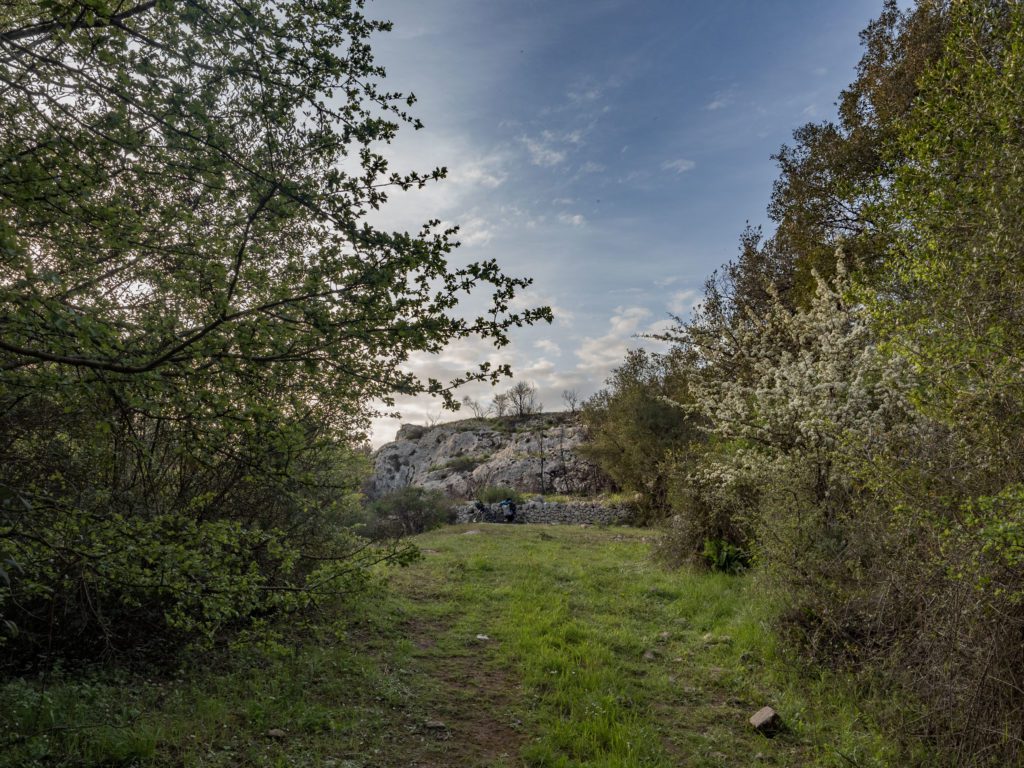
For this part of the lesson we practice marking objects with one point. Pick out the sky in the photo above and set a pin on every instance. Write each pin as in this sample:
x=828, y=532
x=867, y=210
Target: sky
x=612, y=150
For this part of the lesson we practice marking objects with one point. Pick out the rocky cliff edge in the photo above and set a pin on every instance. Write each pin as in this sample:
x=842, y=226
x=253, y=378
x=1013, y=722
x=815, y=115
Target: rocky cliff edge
x=535, y=454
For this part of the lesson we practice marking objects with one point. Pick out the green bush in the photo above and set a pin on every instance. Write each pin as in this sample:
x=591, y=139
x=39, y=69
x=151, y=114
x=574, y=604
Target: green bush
x=465, y=463
x=635, y=425
x=406, y=512
x=492, y=494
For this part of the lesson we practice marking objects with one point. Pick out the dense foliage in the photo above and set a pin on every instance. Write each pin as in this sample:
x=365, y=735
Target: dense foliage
x=406, y=512
x=194, y=313
x=635, y=423
x=858, y=375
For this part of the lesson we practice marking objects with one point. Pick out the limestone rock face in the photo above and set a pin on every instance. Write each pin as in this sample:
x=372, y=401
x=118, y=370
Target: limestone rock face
x=532, y=455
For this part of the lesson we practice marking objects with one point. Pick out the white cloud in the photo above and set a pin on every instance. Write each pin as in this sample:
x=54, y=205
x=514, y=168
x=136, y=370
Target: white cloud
x=474, y=232
x=572, y=219
x=532, y=298
x=660, y=327
x=542, y=154
x=486, y=172
x=591, y=167
x=721, y=99
x=679, y=166
x=569, y=137
x=536, y=371
x=682, y=302
x=585, y=95
x=597, y=355
x=547, y=345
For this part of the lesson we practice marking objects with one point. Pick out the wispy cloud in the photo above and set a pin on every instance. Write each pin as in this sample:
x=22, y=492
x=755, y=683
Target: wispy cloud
x=542, y=153
x=547, y=345
x=721, y=99
x=572, y=219
x=585, y=95
x=682, y=303
x=475, y=232
x=678, y=166
x=569, y=137
x=487, y=171
x=597, y=355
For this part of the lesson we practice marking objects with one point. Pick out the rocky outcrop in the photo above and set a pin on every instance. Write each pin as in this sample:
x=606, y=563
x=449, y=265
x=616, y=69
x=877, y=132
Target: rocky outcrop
x=532, y=455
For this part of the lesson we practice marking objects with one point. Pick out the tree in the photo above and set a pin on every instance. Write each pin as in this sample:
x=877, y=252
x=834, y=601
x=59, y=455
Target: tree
x=635, y=424
x=952, y=304
x=195, y=314
x=184, y=192
x=522, y=399
x=834, y=171
x=571, y=398
x=478, y=409
x=500, y=405
x=407, y=512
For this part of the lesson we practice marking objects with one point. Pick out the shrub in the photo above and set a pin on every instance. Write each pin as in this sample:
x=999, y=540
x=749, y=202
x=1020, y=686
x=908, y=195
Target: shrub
x=636, y=423
x=407, y=512
x=492, y=494
x=465, y=463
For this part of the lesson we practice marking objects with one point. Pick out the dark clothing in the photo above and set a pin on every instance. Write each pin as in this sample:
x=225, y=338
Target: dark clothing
x=509, y=508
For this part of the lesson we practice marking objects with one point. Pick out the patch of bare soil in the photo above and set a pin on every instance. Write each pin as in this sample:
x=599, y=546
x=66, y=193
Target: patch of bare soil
x=464, y=711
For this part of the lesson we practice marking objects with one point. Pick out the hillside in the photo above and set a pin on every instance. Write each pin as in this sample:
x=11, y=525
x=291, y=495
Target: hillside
x=533, y=454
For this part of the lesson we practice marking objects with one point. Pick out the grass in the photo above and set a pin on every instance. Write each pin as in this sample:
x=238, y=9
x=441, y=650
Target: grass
x=538, y=646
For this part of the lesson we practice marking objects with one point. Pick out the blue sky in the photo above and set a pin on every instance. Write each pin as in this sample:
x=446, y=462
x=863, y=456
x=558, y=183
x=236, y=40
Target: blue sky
x=611, y=150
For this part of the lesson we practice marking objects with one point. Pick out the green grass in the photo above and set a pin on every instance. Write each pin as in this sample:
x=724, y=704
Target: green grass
x=592, y=656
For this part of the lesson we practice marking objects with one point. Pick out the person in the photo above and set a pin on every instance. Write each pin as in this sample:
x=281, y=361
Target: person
x=508, y=507
x=479, y=511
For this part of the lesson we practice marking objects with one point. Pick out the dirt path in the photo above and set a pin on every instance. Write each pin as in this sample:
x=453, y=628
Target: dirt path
x=465, y=708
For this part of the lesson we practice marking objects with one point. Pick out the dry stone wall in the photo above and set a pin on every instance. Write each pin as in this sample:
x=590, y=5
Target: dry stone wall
x=550, y=513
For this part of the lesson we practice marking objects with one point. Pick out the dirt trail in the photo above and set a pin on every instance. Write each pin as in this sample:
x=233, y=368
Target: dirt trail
x=467, y=712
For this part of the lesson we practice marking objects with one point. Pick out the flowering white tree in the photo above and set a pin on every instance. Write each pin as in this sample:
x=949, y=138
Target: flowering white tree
x=799, y=404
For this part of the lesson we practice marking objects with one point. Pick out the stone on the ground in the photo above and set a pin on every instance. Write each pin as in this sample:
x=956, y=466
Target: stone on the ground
x=276, y=733
x=482, y=638
x=435, y=725
x=710, y=639
x=766, y=721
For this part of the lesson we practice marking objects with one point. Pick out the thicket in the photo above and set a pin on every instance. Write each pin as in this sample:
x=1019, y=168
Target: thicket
x=857, y=375
x=405, y=512
x=195, y=314
x=636, y=427
x=493, y=494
